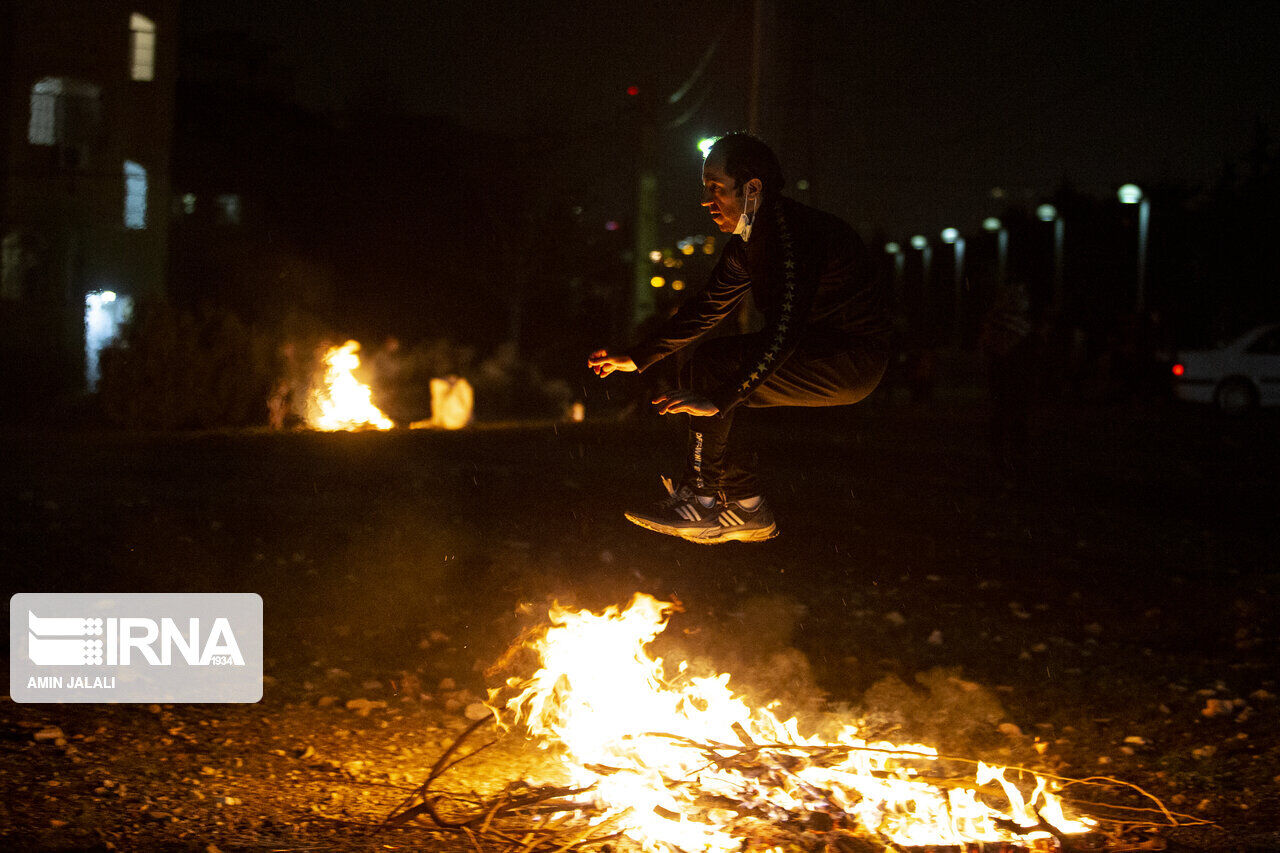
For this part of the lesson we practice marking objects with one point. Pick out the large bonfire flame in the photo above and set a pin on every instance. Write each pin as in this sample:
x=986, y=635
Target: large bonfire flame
x=682, y=762
x=340, y=401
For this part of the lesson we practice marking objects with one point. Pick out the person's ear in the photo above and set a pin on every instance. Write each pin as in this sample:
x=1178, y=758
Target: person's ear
x=753, y=188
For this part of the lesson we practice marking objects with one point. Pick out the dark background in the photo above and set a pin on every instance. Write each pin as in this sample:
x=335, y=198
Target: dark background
x=468, y=170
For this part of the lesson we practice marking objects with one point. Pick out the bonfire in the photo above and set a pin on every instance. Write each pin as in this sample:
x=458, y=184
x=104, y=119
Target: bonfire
x=642, y=755
x=340, y=401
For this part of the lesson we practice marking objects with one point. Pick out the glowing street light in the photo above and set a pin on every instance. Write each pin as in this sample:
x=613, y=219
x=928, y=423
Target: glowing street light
x=921, y=244
x=899, y=264
x=704, y=145
x=1132, y=194
x=1049, y=213
x=994, y=225
x=952, y=236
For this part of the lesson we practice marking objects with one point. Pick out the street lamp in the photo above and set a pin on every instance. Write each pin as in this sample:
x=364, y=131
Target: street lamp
x=1049, y=213
x=992, y=223
x=921, y=244
x=952, y=236
x=899, y=265
x=1132, y=194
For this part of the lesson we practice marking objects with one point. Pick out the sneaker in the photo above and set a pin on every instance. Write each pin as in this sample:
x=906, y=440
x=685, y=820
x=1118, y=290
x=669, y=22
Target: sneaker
x=678, y=514
x=734, y=523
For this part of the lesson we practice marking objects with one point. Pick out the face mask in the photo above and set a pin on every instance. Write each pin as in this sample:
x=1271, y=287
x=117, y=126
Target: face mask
x=743, y=228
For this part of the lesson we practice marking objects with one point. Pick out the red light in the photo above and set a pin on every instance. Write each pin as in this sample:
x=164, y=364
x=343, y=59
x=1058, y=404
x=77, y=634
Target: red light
x=1178, y=370
x=633, y=90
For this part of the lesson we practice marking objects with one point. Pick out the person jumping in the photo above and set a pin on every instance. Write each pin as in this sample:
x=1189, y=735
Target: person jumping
x=825, y=340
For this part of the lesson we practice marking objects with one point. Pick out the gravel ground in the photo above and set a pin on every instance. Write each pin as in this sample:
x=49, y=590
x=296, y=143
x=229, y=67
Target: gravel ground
x=1114, y=614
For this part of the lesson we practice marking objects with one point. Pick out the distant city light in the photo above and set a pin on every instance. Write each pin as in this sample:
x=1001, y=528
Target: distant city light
x=1178, y=370
x=704, y=145
x=677, y=285
x=1130, y=194
x=105, y=313
x=611, y=225
x=991, y=223
x=892, y=248
x=633, y=90
x=1046, y=213
x=189, y=203
x=950, y=235
x=919, y=242
x=657, y=281
x=688, y=248
x=229, y=209
x=655, y=256
x=802, y=185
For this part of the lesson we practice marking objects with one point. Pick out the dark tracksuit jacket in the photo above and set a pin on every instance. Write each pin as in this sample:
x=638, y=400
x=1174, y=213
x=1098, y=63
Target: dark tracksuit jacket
x=825, y=339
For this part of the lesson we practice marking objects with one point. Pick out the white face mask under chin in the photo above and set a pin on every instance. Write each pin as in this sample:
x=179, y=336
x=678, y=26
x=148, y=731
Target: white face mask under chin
x=743, y=228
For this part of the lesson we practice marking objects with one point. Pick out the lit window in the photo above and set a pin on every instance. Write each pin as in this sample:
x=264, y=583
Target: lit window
x=135, y=195
x=63, y=112
x=142, y=47
x=228, y=209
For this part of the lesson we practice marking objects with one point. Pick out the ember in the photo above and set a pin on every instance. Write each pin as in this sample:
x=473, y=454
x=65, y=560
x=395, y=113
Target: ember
x=683, y=763
x=340, y=401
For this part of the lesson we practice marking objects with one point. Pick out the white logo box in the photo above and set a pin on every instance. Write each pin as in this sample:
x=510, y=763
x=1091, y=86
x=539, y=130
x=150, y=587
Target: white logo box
x=135, y=647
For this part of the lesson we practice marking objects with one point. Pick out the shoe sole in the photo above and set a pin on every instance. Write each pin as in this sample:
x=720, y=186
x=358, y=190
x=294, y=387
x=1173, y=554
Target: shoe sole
x=758, y=535
x=653, y=525
x=762, y=534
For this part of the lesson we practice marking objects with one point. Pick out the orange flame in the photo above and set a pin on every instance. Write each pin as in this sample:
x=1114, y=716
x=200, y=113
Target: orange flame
x=342, y=402
x=640, y=741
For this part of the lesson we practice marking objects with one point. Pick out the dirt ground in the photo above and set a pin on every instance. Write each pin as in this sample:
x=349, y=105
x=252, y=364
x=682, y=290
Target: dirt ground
x=1114, y=614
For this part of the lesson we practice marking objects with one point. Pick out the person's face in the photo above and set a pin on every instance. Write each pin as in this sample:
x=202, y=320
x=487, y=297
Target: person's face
x=721, y=196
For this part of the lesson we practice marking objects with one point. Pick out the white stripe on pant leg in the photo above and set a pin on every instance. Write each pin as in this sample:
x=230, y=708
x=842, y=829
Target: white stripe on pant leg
x=697, y=460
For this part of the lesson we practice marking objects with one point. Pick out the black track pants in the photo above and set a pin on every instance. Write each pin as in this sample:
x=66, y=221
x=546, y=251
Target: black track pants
x=717, y=465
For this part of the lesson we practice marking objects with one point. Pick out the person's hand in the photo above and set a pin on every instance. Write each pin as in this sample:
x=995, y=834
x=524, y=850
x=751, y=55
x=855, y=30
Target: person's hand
x=689, y=402
x=603, y=363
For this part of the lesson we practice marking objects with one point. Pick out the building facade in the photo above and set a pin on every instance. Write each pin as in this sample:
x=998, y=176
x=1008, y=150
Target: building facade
x=88, y=100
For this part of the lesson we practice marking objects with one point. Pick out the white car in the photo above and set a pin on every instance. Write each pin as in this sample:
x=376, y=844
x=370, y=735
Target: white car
x=1237, y=377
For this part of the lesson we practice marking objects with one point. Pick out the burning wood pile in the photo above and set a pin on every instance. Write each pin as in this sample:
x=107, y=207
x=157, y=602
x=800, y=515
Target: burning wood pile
x=340, y=401
x=640, y=758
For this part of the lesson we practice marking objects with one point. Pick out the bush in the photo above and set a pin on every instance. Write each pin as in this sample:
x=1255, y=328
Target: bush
x=170, y=370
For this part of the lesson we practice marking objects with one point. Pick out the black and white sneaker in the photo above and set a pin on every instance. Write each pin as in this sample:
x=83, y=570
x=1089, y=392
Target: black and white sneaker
x=678, y=514
x=735, y=523
x=681, y=514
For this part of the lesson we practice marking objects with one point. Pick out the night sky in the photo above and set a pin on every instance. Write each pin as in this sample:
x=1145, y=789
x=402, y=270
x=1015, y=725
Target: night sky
x=901, y=114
